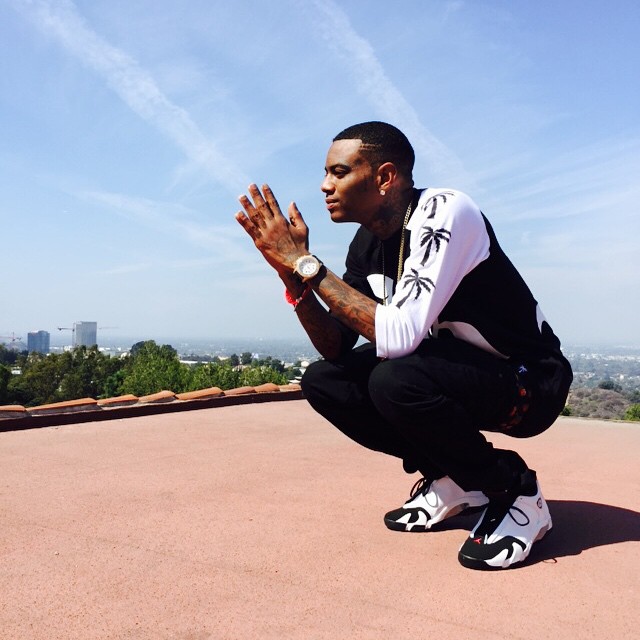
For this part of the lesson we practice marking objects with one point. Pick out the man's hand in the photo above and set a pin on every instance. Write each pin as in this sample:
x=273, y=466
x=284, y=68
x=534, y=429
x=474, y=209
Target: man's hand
x=280, y=241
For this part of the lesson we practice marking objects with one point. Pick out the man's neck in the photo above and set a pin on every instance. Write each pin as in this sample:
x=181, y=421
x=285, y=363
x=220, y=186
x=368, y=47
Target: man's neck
x=390, y=217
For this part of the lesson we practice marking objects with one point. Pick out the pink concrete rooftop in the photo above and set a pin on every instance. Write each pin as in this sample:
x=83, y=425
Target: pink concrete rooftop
x=260, y=520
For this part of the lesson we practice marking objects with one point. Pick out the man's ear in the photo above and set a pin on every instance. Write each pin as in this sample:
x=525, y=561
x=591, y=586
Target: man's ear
x=386, y=176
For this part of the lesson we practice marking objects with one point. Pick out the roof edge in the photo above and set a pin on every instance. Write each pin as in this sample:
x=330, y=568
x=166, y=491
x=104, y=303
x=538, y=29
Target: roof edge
x=17, y=417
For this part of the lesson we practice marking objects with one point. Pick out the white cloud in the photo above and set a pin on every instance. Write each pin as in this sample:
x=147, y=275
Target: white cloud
x=135, y=85
x=588, y=182
x=376, y=86
x=174, y=220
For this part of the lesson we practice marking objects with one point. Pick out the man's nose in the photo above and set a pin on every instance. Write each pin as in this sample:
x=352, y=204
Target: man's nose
x=327, y=185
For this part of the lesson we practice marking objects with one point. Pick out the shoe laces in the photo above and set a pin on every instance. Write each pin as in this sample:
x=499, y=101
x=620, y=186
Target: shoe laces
x=421, y=486
x=496, y=513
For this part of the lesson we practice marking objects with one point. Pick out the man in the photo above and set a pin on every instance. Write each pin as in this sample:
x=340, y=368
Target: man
x=457, y=343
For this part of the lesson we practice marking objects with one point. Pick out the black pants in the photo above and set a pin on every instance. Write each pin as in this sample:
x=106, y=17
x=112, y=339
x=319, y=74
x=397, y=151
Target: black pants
x=428, y=408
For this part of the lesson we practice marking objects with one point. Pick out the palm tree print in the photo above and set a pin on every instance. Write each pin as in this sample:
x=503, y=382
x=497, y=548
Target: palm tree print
x=416, y=284
x=433, y=202
x=433, y=238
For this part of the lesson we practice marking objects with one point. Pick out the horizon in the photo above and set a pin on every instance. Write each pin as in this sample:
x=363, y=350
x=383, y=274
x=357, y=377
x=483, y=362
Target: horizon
x=124, y=341
x=129, y=130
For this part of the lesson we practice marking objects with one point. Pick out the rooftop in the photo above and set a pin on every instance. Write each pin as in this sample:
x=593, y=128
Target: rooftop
x=260, y=520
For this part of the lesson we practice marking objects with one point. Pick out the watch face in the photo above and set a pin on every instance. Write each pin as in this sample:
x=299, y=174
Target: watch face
x=308, y=266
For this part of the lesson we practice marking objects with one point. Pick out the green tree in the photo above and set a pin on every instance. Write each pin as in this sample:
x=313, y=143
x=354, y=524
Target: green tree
x=85, y=373
x=294, y=372
x=633, y=412
x=5, y=376
x=153, y=368
x=609, y=385
x=10, y=356
x=40, y=380
x=274, y=363
x=253, y=376
x=246, y=357
x=214, y=374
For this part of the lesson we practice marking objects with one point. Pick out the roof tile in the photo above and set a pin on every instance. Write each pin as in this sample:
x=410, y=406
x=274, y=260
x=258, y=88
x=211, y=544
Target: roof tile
x=201, y=394
x=267, y=387
x=69, y=406
x=12, y=411
x=239, y=391
x=161, y=396
x=118, y=401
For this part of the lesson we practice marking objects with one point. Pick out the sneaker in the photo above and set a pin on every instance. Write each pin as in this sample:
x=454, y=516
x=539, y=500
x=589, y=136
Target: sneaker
x=432, y=502
x=507, y=529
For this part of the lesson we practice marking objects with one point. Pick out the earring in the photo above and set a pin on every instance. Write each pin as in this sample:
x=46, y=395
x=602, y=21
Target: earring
x=382, y=192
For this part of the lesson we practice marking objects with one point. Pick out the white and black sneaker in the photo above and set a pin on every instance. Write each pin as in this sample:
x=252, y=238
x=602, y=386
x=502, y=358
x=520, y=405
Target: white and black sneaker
x=508, y=528
x=432, y=502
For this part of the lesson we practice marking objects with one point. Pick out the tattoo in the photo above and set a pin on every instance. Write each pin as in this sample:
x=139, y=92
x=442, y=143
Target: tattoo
x=390, y=217
x=351, y=307
x=320, y=327
x=386, y=223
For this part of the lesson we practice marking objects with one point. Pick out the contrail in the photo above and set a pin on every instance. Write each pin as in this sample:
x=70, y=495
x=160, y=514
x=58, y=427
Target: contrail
x=135, y=86
x=171, y=218
x=374, y=84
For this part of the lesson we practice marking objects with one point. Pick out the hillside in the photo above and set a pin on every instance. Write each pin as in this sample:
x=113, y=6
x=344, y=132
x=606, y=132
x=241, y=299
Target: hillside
x=600, y=403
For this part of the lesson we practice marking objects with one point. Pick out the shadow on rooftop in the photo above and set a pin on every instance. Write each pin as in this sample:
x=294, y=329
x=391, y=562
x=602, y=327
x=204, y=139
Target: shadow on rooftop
x=578, y=526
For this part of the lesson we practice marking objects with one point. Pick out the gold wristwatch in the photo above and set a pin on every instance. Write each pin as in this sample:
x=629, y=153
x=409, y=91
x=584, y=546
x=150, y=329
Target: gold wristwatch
x=307, y=267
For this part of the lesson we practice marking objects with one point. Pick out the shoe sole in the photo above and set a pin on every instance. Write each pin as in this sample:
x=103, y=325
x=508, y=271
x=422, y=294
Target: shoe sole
x=481, y=565
x=422, y=528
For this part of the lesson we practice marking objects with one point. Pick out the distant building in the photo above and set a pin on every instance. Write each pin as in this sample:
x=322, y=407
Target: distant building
x=85, y=334
x=38, y=341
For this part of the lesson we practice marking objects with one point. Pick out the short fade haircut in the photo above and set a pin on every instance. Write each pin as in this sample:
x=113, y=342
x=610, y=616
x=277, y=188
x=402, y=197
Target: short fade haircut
x=382, y=142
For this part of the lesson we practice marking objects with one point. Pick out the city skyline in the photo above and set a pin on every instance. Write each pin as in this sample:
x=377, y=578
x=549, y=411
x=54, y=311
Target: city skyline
x=129, y=130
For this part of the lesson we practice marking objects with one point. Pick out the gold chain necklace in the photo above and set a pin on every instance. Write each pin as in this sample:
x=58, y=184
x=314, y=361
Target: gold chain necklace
x=407, y=215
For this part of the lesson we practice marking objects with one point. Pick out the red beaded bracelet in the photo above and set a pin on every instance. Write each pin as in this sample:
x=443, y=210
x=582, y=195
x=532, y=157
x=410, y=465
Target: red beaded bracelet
x=296, y=301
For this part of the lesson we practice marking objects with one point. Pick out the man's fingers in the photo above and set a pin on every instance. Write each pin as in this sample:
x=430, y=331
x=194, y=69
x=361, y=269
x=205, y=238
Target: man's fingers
x=258, y=200
x=295, y=216
x=248, y=225
x=254, y=214
x=272, y=204
x=267, y=208
x=298, y=229
x=262, y=208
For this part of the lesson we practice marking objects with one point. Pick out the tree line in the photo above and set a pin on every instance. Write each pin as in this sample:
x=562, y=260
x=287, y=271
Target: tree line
x=85, y=372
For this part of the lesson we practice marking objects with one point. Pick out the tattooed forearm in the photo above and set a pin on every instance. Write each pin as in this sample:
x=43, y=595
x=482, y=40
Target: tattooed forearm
x=347, y=305
x=351, y=307
x=320, y=327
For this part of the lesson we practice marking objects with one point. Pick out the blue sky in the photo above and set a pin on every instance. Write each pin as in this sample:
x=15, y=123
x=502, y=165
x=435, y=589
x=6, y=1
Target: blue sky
x=129, y=128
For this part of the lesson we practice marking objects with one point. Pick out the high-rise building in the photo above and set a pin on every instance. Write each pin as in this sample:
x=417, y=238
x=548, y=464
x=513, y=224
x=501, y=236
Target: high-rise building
x=38, y=341
x=85, y=334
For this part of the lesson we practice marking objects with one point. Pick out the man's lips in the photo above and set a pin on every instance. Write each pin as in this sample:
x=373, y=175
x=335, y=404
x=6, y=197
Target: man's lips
x=331, y=204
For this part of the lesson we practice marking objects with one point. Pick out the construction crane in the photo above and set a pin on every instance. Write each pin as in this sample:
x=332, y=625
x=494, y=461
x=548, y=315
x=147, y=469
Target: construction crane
x=13, y=337
x=72, y=329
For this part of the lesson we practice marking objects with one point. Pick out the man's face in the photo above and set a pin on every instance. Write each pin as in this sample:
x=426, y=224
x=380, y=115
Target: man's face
x=349, y=185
